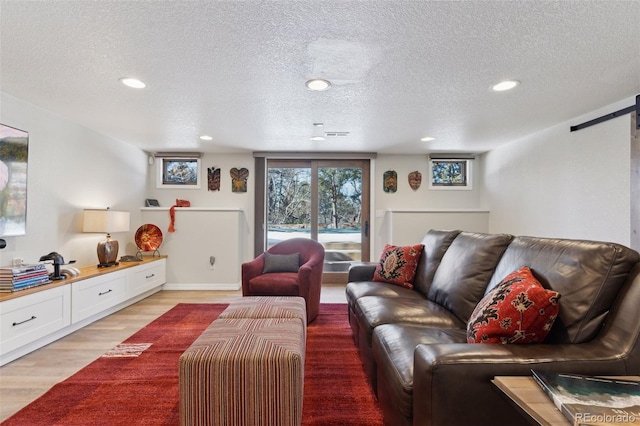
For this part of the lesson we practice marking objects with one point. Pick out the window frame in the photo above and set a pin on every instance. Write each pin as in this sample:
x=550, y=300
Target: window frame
x=162, y=165
x=466, y=186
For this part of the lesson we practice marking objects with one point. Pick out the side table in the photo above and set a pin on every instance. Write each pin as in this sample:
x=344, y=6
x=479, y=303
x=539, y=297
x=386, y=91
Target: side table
x=526, y=396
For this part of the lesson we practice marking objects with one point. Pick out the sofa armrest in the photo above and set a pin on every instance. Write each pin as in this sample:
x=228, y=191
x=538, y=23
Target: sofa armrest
x=361, y=271
x=459, y=375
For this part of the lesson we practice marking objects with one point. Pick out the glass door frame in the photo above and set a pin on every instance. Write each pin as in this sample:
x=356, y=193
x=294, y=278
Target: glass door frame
x=261, y=230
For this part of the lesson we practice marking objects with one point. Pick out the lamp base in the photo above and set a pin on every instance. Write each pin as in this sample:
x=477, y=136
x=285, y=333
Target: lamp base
x=107, y=252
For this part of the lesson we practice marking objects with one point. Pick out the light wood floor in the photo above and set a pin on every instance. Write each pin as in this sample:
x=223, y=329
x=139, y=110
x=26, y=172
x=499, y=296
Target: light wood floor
x=25, y=379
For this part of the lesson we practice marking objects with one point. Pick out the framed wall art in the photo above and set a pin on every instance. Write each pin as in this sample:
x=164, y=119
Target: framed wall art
x=14, y=152
x=182, y=173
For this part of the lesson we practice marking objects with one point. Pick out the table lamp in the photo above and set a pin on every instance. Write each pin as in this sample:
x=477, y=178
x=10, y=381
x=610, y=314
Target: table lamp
x=108, y=222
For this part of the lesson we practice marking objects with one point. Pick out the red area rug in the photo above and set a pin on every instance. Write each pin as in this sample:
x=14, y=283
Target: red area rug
x=136, y=384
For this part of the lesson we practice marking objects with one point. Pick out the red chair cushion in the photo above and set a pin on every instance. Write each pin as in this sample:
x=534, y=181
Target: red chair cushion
x=275, y=284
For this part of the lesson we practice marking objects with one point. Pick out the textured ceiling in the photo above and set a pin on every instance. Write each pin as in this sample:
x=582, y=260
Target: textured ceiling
x=400, y=70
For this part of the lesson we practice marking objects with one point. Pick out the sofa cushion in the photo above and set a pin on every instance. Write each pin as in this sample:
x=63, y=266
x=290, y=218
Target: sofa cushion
x=398, y=264
x=281, y=262
x=518, y=310
x=356, y=290
x=588, y=275
x=465, y=270
x=436, y=243
x=372, y=311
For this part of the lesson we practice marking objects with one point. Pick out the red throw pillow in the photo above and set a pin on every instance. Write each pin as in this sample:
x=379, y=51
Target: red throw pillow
x=398, y=265
x=518, y=310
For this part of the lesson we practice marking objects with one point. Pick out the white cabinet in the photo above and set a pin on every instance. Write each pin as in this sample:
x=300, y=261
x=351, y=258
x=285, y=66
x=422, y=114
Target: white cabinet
x=29, y=318
x=146, y=277
x=97, y=294
x=36, y=317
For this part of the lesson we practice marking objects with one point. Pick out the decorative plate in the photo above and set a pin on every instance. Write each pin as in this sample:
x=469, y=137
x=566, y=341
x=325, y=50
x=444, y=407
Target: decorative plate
x=148, y=237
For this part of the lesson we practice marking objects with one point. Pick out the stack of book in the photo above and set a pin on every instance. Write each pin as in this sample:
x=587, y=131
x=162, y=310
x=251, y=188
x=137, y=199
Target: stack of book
x=23, y=277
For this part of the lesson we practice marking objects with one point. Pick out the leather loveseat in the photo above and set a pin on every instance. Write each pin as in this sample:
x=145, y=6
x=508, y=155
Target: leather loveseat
x=413, y=342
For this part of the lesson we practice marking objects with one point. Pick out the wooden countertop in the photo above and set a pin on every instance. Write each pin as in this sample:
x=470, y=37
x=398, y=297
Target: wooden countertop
x=85, y=273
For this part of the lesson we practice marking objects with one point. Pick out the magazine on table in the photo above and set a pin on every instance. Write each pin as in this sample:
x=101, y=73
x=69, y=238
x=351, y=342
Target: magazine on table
x=590, y=400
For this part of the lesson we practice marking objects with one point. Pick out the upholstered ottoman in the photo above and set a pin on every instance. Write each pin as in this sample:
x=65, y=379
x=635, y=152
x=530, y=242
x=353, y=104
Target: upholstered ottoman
x=267, y=307
x=244, y=371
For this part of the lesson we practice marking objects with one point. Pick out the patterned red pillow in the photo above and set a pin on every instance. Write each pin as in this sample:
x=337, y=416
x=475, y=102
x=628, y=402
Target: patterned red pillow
x=518, y=310
x=398, y=265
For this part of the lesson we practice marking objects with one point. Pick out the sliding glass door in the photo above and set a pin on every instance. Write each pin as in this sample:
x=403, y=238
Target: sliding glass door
x=327, y=201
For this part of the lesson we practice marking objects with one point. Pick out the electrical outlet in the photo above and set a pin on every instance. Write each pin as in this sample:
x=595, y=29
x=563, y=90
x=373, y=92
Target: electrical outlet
x=17, y=261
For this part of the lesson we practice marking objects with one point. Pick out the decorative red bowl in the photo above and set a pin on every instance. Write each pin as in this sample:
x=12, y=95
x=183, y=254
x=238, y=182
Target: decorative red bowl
x=148, y=237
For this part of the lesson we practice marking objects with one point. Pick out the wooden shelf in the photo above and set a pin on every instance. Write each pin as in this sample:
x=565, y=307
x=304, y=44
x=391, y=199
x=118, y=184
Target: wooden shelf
x=86, y=272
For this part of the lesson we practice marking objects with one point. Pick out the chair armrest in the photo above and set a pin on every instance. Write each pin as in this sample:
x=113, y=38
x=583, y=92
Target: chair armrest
x=251, y=270
x=443, y=367
x=361, y=271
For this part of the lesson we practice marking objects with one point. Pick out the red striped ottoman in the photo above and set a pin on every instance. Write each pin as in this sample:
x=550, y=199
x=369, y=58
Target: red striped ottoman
x=244, y=371
x=267, y=307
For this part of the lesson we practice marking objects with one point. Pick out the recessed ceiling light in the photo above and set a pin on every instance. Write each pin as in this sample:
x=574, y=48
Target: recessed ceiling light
x=505, y=85
x=318, y=124
x=317, y=138
x=206, y=138
x=318, y=84
x=133, y=82
x=428, y=139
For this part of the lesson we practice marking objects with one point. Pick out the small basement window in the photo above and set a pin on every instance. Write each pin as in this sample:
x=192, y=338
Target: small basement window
x=450, y=174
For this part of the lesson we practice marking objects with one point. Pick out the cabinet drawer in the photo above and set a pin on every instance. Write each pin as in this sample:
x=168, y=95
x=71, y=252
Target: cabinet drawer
x=26, y=319
x=148, y=276
x=90, y=297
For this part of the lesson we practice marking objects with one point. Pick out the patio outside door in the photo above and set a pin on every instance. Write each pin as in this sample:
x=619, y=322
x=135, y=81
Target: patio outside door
x=327, y=201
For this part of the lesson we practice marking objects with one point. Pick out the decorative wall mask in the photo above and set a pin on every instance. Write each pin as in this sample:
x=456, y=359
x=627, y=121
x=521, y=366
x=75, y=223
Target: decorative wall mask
x=415, y=179
x=213, y=179
x=239, y=179
x=390, y=181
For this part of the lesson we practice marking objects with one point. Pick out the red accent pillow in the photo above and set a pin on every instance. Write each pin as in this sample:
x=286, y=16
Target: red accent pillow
x=398, y=265
x=518, y=310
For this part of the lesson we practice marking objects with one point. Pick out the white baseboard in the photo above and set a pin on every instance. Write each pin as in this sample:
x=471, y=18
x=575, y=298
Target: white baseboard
x=202, y=286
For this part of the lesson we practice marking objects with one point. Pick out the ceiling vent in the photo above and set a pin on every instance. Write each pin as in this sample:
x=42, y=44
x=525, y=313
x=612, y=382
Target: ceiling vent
x=335, y=134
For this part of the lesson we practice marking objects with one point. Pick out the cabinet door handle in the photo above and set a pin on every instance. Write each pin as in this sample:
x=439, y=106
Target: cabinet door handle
x=27, y=320
x=150, y=276
x=102, y=294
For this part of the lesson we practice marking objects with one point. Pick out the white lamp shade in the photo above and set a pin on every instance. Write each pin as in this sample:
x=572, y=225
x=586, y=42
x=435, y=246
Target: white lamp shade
x=105, y=221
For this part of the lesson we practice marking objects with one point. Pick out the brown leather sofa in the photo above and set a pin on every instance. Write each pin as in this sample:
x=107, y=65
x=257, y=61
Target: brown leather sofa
x=412, y=342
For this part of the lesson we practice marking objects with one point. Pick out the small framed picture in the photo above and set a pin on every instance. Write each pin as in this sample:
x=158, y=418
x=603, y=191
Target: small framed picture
x=183, y=173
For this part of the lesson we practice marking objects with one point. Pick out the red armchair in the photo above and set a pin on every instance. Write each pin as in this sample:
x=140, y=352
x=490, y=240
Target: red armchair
x=305, y=282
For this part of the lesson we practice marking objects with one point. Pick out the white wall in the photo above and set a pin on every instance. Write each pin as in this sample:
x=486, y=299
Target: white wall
x=218, y=233
x=564, y=184
x=71, y=168
x=422, y=199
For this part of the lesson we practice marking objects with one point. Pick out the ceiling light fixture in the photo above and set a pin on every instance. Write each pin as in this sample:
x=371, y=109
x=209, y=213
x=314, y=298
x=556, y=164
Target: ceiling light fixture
x=317, y=138
x=133, y=83
x=206, y=138
x=318, y=84
x=428, y=139
x=505, y=85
